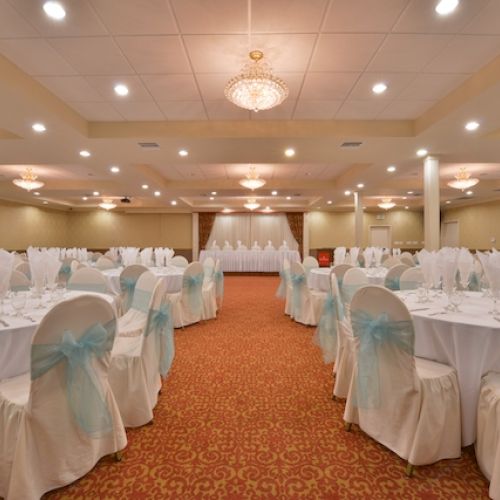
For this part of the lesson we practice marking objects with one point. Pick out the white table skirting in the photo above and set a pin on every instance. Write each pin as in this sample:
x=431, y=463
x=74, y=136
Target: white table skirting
x=319, y=278
x=256, y=261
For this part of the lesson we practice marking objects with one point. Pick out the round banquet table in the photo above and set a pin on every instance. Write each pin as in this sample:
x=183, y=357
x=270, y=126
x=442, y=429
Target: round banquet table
x=16, y=333
x=172, y=275
x=468, y=340
x=319, y=277
x=252, y=261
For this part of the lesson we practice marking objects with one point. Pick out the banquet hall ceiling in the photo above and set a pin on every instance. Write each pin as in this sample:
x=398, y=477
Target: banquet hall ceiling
x=176, y=57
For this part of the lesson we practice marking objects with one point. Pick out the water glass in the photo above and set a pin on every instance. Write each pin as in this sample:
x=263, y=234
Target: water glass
x=18, y=302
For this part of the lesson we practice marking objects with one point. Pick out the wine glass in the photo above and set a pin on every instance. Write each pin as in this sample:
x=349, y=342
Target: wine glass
x=456, y=299
x=18, y=302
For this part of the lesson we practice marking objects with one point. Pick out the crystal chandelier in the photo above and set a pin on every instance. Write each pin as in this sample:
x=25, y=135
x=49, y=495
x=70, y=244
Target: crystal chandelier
x=251, y=204
x=107, y=205
x=28, y=180
x=252, y=180
x=463, y=180
x=256, y=88
x=386, y=203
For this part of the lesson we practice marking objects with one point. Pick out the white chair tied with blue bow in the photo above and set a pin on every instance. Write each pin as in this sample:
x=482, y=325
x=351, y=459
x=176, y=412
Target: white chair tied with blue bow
x=104, y=263
x=219, y=283
x=310, y=263
x=339, y=271
x=411, y=279
x=24, y=267
x=390, y=261
x=179, y=261
x=394, y=275
x=88, y=280
x=209, y=289
x=285, y=287
x=306, y=304
x=353, y=279
x=133, y=322
x=128, y=281
x=488, y=432
x=408, y=404
x=65, y=270
x=188, y=303
x=19, y=282
x=59, y=419
x=138, y=363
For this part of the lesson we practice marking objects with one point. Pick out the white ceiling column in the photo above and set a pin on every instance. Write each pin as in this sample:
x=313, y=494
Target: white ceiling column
x=195, y=236
x=358, y=220
x=431, y=203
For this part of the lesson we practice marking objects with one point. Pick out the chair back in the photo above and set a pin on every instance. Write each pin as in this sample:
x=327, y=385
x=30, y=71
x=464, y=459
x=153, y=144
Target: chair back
x=128, y=280
x=143, y=292
x=179, y=261
x=300, y=291
x=19, y=282
x=407, y=261
x=208, y=268
x=393, y=276
x=192, y=282
x=104, y=263
x=24, y=267
x=390, y=261
x=411, y=279
x=88, y=280
x=354, y=279
x=339, y=272
x=310, y=263
x=96, y=256
x=219, y=283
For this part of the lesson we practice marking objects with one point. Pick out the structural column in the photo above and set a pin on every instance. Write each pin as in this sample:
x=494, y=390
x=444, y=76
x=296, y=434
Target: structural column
x=305, y=235
x=194, y=236
x=432, y=221
x=358, y=220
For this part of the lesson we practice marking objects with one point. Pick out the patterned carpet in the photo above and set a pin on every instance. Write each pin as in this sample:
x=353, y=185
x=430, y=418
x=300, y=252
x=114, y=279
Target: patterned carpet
x=247, y=413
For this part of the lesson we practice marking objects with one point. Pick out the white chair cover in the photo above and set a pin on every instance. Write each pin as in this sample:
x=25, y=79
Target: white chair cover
x=310, y=263
x=53, y=431
x=339, y=256
x=128, y=280
x=393, y=276
x=411, y=279
x=24, y=268
x=19, y=282
x=88, y=280
x=179, y=261
x=219, y=283
x=209, y=289
x=339, y=272
x=391, y=262
x=104, y=263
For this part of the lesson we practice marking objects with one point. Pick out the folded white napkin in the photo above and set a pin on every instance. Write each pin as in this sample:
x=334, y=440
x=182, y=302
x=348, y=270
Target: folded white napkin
x=6, y=266
x=368, y=255
x=146, y=255
x=354, y=253
x=52, y=267
x=339, y=255
x=465, y=266
x=37, y=267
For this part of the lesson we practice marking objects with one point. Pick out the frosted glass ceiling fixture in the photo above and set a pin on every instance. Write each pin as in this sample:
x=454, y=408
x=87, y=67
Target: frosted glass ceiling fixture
x=252, y=180
x=386, y=203
x=255, y=87
x=463, y=180
x=28, y=180
x=107, y=205
x=251, y=204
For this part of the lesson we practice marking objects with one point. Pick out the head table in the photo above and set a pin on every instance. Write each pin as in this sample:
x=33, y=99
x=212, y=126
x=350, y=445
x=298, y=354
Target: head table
x=251, y=261
x=319, y=278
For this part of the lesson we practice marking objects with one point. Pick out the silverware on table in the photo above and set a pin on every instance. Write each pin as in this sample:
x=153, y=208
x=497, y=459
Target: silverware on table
x=4, y=323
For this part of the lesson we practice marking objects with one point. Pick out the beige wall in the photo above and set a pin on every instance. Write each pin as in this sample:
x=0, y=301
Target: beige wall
x=332, y=229
x=477, y=224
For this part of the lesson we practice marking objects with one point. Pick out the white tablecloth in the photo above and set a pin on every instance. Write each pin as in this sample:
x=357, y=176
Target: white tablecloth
x=319, y=278
x=172, y=276
x=15, y=339
x=468, y=340
x=257, y=261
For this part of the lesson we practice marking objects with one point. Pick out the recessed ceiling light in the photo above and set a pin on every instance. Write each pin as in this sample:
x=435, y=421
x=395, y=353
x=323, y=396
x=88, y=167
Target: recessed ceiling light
x=121, y=89
x=407, y=207
x=157, y=193
x=84, y=153
x=409, y=192
x=405, y=197
x=84, y=198
x=379, y=88
x=54, y=10
x=391, y=169
x=183, y=152
x=289, y=152
x=213, y=193
x=360, y=185
x=329, y=202
x=96, y=193
x=447, y=202
x=45, y=202
x=114, y=169
x=347, y=193
x=36, y=193
x=288, y=197
x=274, y=193
x=173, y=202
x=145, y=186
x=422, y=152
x=211, y=198
x=471, y=126
x=469, y=193
x=445, y=7
x=38, y=127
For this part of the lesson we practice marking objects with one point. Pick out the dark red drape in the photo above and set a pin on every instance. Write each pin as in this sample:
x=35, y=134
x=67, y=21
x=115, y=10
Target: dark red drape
x=296, y=223
x=205, y=224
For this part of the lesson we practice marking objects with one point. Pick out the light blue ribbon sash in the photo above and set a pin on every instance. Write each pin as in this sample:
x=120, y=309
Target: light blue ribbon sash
x=326, y=334
x=192, y=284
x=474, y=282
x=87, y=287
x=85, y=395
x=285, y=278
x=127, y=286
x=219, y=283
x=392, y=283
x=65, y=271
x=160, y=322
x=373, y=333
x=298, y=281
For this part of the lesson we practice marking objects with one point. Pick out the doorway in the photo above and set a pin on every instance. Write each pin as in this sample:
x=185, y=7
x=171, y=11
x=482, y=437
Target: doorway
x=381, y=236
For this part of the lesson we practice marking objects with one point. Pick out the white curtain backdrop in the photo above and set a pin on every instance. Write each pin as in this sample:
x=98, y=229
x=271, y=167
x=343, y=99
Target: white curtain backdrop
x=252, y=227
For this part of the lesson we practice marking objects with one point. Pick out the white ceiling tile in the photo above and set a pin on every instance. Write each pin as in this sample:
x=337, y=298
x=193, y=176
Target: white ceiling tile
x=420, y=17
x=155, y=54
x=428, y=87
x=316, y=110
x=97, y=111
x=292, y=16
x=406, y=53
x=285, y=171
x=172, y=87
x=327, y=86
x=80, y=19
x=211, y=171
x=486, y=22
x=360, y=110
x=136, y=17
x=139, y=111
x=404, y=110
x=466, y=54
x=92, y=56
x=36, y=57
x=190, y=171
x=395, y=82
x=363, y=16
x=12, y=25
x=225, y=110
x=71, y=88
x=214, y=16
x=183, y=110
x=282, y=112
x=344, y=52
x=105, y=86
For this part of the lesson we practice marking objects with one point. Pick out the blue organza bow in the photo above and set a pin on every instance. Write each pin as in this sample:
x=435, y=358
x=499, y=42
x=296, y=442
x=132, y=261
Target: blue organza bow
x=219, y=283
x=192, y=284
x=127, y=286
x=474, y=282
x=326, y=334
x=298, y=281
x=160, y=322
x=65, y=271
x=375, y=333
x=85, y=394
x=392, y=283
x=285, y=278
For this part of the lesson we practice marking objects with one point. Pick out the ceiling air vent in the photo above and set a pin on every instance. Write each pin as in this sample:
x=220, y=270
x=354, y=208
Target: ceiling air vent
x=353, y=144
x=149, y=145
